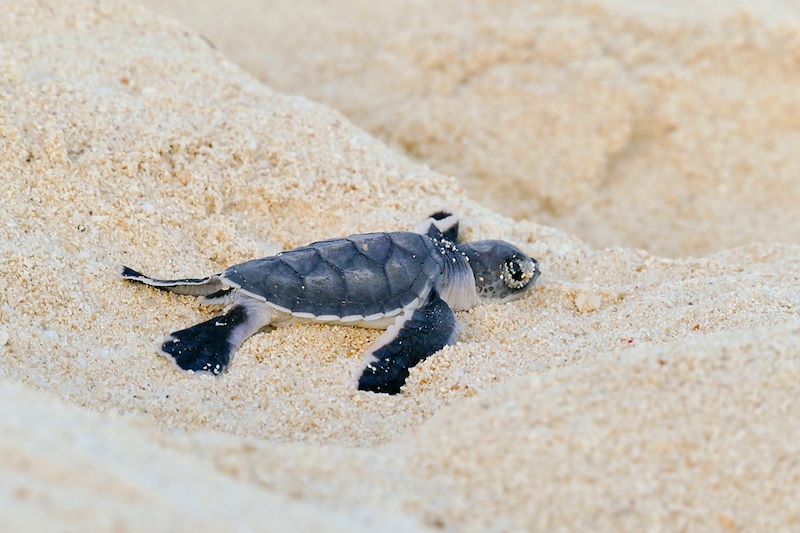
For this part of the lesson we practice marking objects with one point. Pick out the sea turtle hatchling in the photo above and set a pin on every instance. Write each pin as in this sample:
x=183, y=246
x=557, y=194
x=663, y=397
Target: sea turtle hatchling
x=407, y=282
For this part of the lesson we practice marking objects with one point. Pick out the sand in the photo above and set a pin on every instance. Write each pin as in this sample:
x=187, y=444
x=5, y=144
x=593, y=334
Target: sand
x=588, y=115
x=627, y=391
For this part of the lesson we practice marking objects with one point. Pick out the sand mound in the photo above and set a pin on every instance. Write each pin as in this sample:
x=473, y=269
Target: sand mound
x=67, y=470
x=126, y=139
x=677, y=436
x=666, y=127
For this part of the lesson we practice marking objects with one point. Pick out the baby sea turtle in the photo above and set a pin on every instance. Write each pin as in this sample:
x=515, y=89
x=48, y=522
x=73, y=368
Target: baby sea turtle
x=407, y=282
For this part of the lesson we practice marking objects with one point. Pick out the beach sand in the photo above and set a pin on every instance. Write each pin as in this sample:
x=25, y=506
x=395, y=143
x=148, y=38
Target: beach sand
x=627, y=123
x=627, y=391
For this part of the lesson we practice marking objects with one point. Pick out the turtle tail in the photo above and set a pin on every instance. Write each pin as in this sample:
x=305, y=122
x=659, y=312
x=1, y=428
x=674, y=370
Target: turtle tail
x=210, y=287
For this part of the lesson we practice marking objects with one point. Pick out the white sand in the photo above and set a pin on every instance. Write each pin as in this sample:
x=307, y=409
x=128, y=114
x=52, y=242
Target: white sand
x=670, y=126
x=626, y=392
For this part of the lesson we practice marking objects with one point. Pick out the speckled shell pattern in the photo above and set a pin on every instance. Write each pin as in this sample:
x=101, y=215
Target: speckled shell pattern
x=361, y=275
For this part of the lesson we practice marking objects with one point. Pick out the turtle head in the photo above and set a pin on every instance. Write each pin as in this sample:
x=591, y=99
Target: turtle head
x=502, y=271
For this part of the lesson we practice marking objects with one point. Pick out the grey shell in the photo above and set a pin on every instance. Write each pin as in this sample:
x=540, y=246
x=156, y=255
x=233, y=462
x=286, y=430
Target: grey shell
x=367, y=275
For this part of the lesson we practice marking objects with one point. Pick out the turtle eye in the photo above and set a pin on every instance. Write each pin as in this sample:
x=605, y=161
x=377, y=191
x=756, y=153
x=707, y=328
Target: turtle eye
x=514, y=274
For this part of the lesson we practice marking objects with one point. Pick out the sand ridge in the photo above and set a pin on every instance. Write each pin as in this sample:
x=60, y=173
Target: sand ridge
x=628, y=123
x=126, y=139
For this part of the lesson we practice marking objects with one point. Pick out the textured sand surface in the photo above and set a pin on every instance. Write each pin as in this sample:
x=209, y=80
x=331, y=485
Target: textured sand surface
x=668, y=126
x=67, y=470
x=627, y=391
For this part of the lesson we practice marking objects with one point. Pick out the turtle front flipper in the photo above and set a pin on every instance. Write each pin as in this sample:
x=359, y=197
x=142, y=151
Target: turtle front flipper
x=416, y=335
x=210, y=345
x=440, y=225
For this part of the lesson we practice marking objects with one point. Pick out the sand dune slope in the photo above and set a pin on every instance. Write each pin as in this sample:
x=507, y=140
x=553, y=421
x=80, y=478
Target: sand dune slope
x=67, y=470
x=683, y=435
x=669, y=126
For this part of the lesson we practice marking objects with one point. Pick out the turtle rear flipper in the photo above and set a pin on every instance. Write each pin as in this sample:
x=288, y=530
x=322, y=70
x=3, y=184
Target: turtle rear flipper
x=416, y=335
x=210, y=287
x=210, y=345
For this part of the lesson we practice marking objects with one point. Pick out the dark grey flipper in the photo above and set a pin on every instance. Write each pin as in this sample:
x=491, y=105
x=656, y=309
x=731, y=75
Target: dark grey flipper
x=209, y=287
x=441, y=225
x=415, y=336
x=210, y=345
